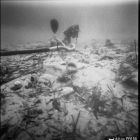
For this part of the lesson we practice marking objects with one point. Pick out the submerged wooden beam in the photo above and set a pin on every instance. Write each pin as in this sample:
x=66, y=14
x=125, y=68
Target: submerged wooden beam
x=55, y=48
x=17, y=52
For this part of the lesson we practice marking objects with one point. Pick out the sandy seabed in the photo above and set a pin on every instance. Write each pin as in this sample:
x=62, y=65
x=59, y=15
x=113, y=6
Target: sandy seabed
x=86, y=94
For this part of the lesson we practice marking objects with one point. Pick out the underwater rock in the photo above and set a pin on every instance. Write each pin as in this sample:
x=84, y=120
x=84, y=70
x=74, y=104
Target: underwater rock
x=47, y=77
x=35, y=112
x=125, y=68
x=34, y=78
x=68, y=74
x=131, y=58
x=66, y=91
x=3, y=69
x=126, y=72
x=135, y=77
x=106, y=58
x=125, y=65
x=71, y=68
x=17, y=85
x=56, y=105
x=29, y=85
x=32, y=82
x=64, y=78
x=26, y=83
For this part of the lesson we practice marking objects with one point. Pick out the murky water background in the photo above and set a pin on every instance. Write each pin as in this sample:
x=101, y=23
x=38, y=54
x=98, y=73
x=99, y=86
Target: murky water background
x=23, y=23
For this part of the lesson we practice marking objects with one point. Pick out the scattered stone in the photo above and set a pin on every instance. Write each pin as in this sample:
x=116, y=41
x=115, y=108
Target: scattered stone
x=56, y=105
x=126, y=71
x=64, y=78
x=34, y=78
x=71, y=68
x=66, y=91
x=105, y=58
x=132, y=59
x=38, y=101
x=47, y=77
x=28, y=86
x=17, y=85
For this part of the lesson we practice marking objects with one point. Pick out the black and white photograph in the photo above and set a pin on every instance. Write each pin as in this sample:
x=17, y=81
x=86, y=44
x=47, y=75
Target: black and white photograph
x=69, y=70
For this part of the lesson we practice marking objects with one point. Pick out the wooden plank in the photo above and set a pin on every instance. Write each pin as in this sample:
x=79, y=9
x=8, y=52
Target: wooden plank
x=54, y=48
x=17, y=52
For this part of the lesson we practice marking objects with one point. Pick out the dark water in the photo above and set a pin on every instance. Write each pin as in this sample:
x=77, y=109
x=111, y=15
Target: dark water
x=26, y=22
